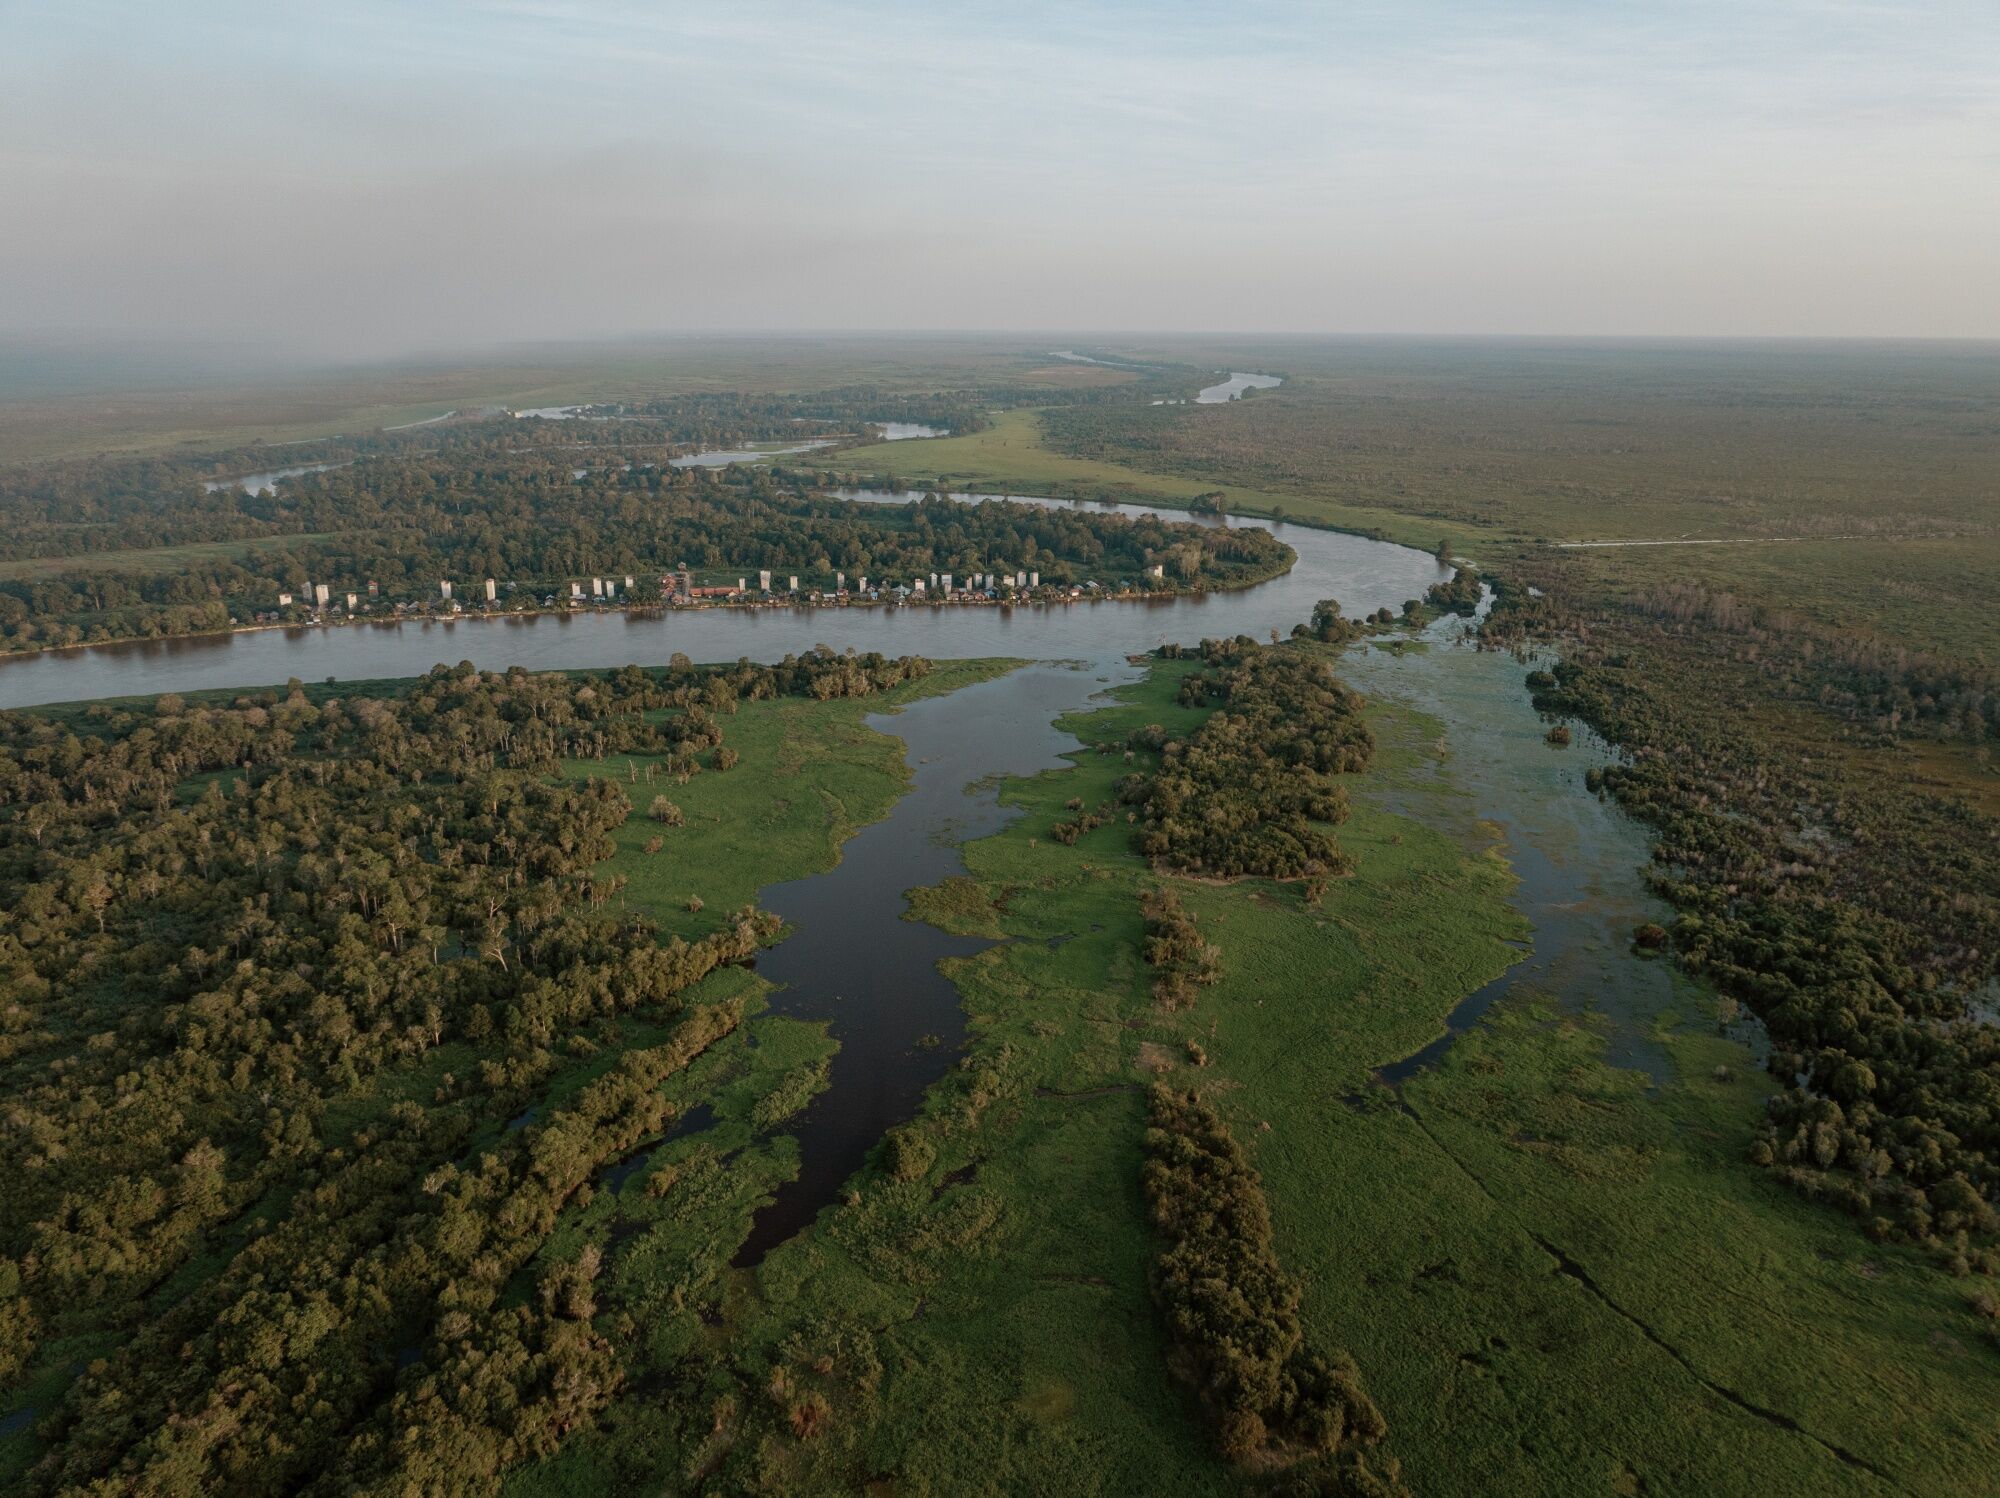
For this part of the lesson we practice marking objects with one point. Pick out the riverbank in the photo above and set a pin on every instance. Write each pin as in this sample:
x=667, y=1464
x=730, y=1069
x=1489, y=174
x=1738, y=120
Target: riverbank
x=1031, y=598
x=1536, y=1252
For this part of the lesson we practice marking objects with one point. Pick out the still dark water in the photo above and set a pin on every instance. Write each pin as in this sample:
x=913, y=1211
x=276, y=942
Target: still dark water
x=855, y=962
x=1364, y=575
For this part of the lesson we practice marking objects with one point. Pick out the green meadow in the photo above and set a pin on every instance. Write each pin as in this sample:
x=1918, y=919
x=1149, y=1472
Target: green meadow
x=1013, y=455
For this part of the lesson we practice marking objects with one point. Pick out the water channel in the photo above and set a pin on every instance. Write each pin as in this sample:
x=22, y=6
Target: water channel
x=856, y=963
x=267, y=482
x=1579, y=860
x=1235, y=386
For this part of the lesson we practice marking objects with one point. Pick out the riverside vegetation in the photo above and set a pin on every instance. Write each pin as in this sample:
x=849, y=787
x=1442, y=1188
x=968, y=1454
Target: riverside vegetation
x=1825, y=788
x=998, y=1271
x=1548, y=1277
x=391, y=526
x=1521, y=1267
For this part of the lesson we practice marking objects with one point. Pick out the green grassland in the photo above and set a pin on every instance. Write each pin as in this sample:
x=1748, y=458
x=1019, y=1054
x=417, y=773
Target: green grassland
x=811, y=774
x=1012, y=455
x=1555, y=1278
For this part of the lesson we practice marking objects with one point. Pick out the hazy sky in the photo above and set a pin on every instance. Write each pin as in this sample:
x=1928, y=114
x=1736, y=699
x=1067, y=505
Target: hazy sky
x=362, y=178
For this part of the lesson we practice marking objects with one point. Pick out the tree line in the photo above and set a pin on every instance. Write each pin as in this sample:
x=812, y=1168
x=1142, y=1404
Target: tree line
x=530, y=518
x=1232, y=1312
x=1252, y=791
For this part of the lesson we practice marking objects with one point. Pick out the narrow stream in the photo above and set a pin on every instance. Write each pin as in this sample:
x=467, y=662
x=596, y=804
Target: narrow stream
x=853, y=960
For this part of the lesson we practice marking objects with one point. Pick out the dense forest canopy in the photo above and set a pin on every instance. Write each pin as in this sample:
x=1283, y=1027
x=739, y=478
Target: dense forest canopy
x=1253, y=789
x=218, y=919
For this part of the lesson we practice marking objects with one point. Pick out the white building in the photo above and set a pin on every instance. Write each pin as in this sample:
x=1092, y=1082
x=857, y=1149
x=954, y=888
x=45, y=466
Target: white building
x=944, y=580
x=792, y=583
x=764, y=579
x=492, y=590
x=444, y=588
x=1034, y=579
x=597, y=587
x=284, y=600
x=352, y=603
x=321, y=594
x=576, y=590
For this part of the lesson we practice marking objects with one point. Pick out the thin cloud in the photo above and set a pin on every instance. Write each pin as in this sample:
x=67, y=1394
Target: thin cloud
x=360, y=176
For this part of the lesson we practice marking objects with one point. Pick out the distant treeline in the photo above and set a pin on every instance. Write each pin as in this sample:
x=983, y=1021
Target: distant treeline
x=526, y=517
x=79, y=506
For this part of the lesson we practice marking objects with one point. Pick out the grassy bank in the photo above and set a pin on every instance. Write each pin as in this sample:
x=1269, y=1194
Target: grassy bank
x=811, y=774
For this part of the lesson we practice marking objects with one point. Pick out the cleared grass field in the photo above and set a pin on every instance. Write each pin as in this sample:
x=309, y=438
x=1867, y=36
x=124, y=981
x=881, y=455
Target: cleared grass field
x=1012, y=455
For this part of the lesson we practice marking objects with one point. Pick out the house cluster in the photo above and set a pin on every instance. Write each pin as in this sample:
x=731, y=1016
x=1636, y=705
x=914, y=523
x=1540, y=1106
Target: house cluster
x=680, y=588
x=935, y=587
x=319, y=599
x=603, y=590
